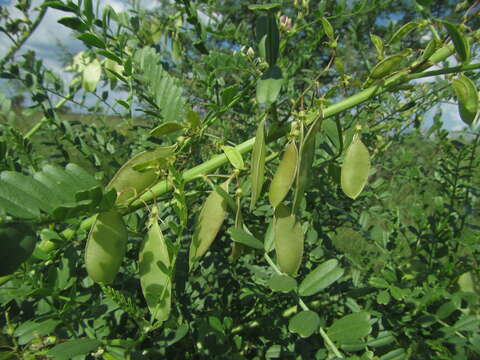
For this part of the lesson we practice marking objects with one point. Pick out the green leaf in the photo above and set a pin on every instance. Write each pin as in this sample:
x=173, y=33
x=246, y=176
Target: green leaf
x=258, y=164
x=83, y=179
x=234, y=156
x=163, y=88
x=304, y=323
x=383, y=297
x=88, y=10
x=403, y=31
x=397, y=354
x=110, y=55
x=29, y=330
x=17, y=203
x=166, y=128
x=350, y=328
x=460, y=41
x=321, y=277
x=466, y=283
x=269, y=238
x=93, y=40
x=268, y=38
x=327, y=28
x=282, y=283
x=229, y=95
x=70, y=7
x=73, y=23
x=179, y=334
x=72, y=348
x=37, y=192
x=269, y=85
x=241, y=236
x=272, y=6
x=24, y=196
x=383, y=338
x=378, y=282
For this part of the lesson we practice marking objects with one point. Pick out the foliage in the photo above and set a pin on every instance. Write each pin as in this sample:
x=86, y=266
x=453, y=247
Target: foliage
x=327, y=265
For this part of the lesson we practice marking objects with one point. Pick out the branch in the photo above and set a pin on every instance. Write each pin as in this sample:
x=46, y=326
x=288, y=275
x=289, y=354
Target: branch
x=24, y=38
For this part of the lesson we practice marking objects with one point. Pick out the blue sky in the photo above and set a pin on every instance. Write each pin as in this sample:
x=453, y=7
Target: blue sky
x=46, y=39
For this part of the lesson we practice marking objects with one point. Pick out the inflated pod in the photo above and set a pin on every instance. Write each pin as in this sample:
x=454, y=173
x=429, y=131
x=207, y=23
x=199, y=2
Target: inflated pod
x=17, y=242
x=154, y=268
x=288, y=238
x=467, y=96
x=355, y=168
x=208, y=224
x=131, y=180
x=284, y=176
x=106, y=246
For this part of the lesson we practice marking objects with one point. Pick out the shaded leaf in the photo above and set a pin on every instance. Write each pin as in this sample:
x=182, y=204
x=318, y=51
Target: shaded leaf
x=321, y=277
x=269, y=85
x=304, y=323
x=69, y=349
x=241, y=236
x=282, y=283
x=350, y=328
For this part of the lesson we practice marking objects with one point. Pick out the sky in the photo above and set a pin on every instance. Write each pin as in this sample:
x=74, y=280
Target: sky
x=46, y=39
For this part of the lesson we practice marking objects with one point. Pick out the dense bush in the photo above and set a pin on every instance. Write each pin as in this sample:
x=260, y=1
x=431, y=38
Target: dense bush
x=214, y=183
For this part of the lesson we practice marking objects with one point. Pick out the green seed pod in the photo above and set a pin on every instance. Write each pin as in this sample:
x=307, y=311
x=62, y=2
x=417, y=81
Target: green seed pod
x=288, y=237
x=17, y=242
x=130, y=180
x=106, y=246
x=467, y=96
x=355, y=168
x=285, y=175
x=460, y=41
x=208, y=224
x=258, y=164
x=305, y=162
x=154, y=270
x=403, y=31
x=388, y=65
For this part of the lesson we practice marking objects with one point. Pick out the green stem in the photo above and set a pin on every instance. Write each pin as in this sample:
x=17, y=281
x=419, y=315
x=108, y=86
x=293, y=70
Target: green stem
x=217, y=161
x=272, y=264
x=24, y=38
x=450, y=70
x=330, y=344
